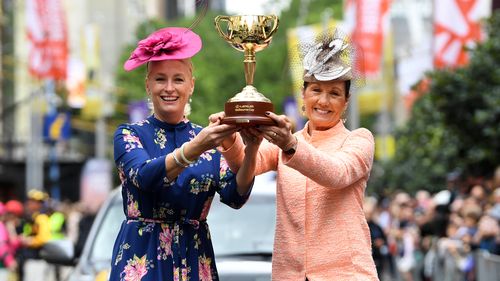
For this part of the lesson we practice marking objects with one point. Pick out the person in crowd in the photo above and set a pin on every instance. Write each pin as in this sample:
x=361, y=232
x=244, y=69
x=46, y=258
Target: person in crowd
x=7, y=251
x=14, y=212
x=170, y=170
x=380, y=247
x=487, y=236
x=322, y=171
x=36, y=229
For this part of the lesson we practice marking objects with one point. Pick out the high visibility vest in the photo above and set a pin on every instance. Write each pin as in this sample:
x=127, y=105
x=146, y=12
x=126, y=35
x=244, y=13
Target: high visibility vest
x=56, y=225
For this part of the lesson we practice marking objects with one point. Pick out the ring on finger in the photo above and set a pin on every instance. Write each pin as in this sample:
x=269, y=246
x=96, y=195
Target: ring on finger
x=274, y=134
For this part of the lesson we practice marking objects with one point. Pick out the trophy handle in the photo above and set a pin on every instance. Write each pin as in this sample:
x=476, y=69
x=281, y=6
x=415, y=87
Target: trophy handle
x=228, y=20
x=275, y=24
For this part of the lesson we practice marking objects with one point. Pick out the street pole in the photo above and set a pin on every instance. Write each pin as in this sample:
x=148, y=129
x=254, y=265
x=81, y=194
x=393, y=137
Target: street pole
x=34, y=149
x=100, y=137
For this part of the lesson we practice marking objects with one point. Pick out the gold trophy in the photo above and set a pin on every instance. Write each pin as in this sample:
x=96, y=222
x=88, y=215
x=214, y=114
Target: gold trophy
x=248, y=34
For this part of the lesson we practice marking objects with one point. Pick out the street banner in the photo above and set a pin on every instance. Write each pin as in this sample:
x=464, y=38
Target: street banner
x=57, y=126
x=457, y=26
x=367, y=23
x=75, y=83
x=47, y=34
x=369, y=28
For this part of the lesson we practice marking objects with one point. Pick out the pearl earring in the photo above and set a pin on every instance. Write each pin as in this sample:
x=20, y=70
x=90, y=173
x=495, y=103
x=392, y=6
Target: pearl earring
x=149, y=102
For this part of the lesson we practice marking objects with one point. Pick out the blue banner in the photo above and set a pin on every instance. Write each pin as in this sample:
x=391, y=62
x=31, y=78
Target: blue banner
x=56, y=126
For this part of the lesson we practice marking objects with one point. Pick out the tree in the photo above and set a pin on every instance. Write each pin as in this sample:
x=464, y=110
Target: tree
x=455, y=125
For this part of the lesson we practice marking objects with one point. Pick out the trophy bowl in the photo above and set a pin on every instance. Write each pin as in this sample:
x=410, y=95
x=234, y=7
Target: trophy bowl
x=248, y=34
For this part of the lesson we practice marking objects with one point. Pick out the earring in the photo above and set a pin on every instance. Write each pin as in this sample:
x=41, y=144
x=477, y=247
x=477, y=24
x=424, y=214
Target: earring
x=343, y=117
x=150, y=104
x=187, y=108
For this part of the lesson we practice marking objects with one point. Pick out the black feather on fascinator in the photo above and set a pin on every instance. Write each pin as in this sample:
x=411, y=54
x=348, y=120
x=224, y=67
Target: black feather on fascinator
x=330, y=56
x=202, y=6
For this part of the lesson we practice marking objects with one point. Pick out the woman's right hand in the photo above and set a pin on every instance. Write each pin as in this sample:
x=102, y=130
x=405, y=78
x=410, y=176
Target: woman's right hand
x=228, y=141
x=252, y=139
x=209, y=137
x=216, y=116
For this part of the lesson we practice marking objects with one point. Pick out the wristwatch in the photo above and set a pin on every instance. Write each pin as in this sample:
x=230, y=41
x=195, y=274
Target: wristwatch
x=293, y=147
x=290, y=151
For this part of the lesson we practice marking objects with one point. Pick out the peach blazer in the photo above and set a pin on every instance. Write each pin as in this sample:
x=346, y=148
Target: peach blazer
x=321, y=230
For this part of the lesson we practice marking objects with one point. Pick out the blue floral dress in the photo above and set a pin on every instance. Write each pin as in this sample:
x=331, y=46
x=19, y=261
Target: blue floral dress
x=165, y=235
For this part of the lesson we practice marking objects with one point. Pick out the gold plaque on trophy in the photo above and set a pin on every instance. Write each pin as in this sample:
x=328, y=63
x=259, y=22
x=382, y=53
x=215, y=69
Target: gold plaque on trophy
x=248, y=34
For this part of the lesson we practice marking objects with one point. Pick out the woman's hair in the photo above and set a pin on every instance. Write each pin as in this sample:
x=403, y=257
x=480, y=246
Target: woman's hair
x=188, y=61
x=347, y=87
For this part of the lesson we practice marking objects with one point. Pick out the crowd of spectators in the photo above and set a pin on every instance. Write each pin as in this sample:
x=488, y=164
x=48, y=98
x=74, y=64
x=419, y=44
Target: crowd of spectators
x=436, y=237
x=25, y=227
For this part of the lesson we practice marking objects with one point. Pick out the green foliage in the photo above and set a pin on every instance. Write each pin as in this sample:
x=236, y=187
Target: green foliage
x=454, y=126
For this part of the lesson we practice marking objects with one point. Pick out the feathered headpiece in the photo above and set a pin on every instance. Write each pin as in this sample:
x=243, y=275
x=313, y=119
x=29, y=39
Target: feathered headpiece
x=329, y=56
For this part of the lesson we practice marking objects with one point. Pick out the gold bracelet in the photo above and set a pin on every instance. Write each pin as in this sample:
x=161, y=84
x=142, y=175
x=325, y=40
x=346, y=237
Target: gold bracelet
x=177, y=160
x=184, y=156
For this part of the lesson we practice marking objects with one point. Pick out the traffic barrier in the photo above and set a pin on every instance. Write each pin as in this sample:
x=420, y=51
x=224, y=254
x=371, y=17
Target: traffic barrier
x=487, y=266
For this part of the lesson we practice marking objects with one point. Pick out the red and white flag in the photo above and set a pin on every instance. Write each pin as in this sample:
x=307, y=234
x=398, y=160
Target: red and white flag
x=457, y=24
x=369, y=22
x=46, y=29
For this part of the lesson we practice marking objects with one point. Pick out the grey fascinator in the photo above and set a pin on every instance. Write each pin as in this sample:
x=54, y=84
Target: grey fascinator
x=329, y=56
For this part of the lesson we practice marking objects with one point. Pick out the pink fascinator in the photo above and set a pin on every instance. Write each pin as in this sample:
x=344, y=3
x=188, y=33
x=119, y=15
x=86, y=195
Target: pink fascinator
x=170, y=43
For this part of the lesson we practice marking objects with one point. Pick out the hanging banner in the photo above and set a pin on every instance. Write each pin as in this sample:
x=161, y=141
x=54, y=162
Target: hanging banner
x=57, y=126
x=367, y=23
x=369, y=28
x=46, y=30
x=457, y=25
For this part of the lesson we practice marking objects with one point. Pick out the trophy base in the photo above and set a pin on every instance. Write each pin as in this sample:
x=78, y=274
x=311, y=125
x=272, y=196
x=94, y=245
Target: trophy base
x=248, y=113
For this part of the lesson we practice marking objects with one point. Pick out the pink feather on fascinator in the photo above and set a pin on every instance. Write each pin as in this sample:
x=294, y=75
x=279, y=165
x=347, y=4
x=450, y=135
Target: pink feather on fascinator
x=170, y=43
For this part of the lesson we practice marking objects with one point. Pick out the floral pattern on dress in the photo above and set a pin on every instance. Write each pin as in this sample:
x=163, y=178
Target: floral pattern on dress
x=135, y=269
x=207, y=155
x=165, y=247
x=205, y=271
x=223, y=172
x=181, y=273
x=147, y=228
x=132, y=141
x=132, y=207
x=224, y=167
x=121, y=173
x=162, y=212
x=160, y=138
x=203, y=185
x=206, y=208
x=123, y=246
x=132, y=174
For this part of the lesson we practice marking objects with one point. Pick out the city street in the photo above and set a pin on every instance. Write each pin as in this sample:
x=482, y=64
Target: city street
x=332, y=140
x=38, y=270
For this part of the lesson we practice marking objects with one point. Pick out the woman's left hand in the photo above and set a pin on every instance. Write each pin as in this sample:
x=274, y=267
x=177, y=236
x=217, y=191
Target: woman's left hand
x=252, y=139
x=280, y=134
